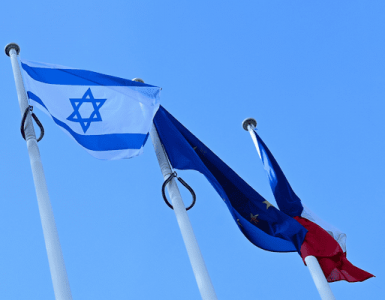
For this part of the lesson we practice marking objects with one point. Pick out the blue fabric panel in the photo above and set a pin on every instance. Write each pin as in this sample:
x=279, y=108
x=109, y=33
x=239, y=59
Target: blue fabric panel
x=287, y=200
x=77, y=77
x=271, y=230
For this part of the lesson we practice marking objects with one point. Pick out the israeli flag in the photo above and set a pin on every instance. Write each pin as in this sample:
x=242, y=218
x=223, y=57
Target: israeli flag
x=109, y=117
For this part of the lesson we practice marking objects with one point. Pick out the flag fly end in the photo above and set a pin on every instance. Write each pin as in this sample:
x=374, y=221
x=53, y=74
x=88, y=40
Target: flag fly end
x=11, y=46
x=247, y=122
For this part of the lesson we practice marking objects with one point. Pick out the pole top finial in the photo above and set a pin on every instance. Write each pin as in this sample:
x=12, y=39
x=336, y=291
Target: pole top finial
x=12, y=46
x=138, y=80
x=247, y=122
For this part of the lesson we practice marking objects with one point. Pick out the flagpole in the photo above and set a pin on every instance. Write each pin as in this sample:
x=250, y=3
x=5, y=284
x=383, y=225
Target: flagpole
x=202, y=277
x=55, y=257
x=319, y=278
x=316, y=272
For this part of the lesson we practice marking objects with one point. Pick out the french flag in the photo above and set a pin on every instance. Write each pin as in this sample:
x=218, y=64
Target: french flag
x=323, y=241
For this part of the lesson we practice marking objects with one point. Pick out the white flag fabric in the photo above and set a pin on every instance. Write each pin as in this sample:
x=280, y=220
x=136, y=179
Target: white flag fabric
x=110, y=117
x=337, y=234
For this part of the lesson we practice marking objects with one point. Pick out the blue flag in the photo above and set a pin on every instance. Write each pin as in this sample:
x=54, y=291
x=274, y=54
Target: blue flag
x=263, y=224
x=109, y=117
x=287, y=200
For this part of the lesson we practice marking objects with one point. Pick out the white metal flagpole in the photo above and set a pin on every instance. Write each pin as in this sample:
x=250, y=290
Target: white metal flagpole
x=319, y=279
x=202, y=277
x=55, y=257
x=316, y=272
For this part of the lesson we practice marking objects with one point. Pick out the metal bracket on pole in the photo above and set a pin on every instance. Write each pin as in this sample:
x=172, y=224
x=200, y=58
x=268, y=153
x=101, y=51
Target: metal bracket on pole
x=22, y=125
x=184, y=183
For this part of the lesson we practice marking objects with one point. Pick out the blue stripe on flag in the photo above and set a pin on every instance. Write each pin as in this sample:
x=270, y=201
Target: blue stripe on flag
x=77, y=77
x=35, y=98
x=105, y=142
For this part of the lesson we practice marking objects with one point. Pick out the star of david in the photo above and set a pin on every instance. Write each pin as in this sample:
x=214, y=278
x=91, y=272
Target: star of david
x=95, y=115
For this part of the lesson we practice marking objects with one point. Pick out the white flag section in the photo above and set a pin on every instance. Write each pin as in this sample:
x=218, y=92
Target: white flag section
x=337, y=234
x=110, y=117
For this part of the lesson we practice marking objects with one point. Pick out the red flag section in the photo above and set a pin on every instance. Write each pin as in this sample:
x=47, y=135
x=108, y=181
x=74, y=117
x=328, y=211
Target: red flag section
x=329, y=254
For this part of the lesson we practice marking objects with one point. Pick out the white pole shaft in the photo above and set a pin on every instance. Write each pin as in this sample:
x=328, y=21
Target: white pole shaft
x=250, y=128
x=202, y=277
x=311, y=262
x=319, y=279
x=55, y=257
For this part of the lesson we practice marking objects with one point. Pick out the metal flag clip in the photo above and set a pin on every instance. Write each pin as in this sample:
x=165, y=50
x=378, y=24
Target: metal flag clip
x=30, y=108
x=184, y=184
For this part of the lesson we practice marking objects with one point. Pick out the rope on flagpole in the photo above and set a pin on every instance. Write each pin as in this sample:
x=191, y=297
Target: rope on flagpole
x=22, y=126
x=184, y=184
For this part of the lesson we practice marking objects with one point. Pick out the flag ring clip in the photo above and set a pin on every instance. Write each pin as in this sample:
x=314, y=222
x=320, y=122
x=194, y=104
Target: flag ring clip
x=184, y=184
x=30, y=108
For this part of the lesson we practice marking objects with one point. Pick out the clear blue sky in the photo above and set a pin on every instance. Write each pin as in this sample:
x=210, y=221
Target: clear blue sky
x=312, y=74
